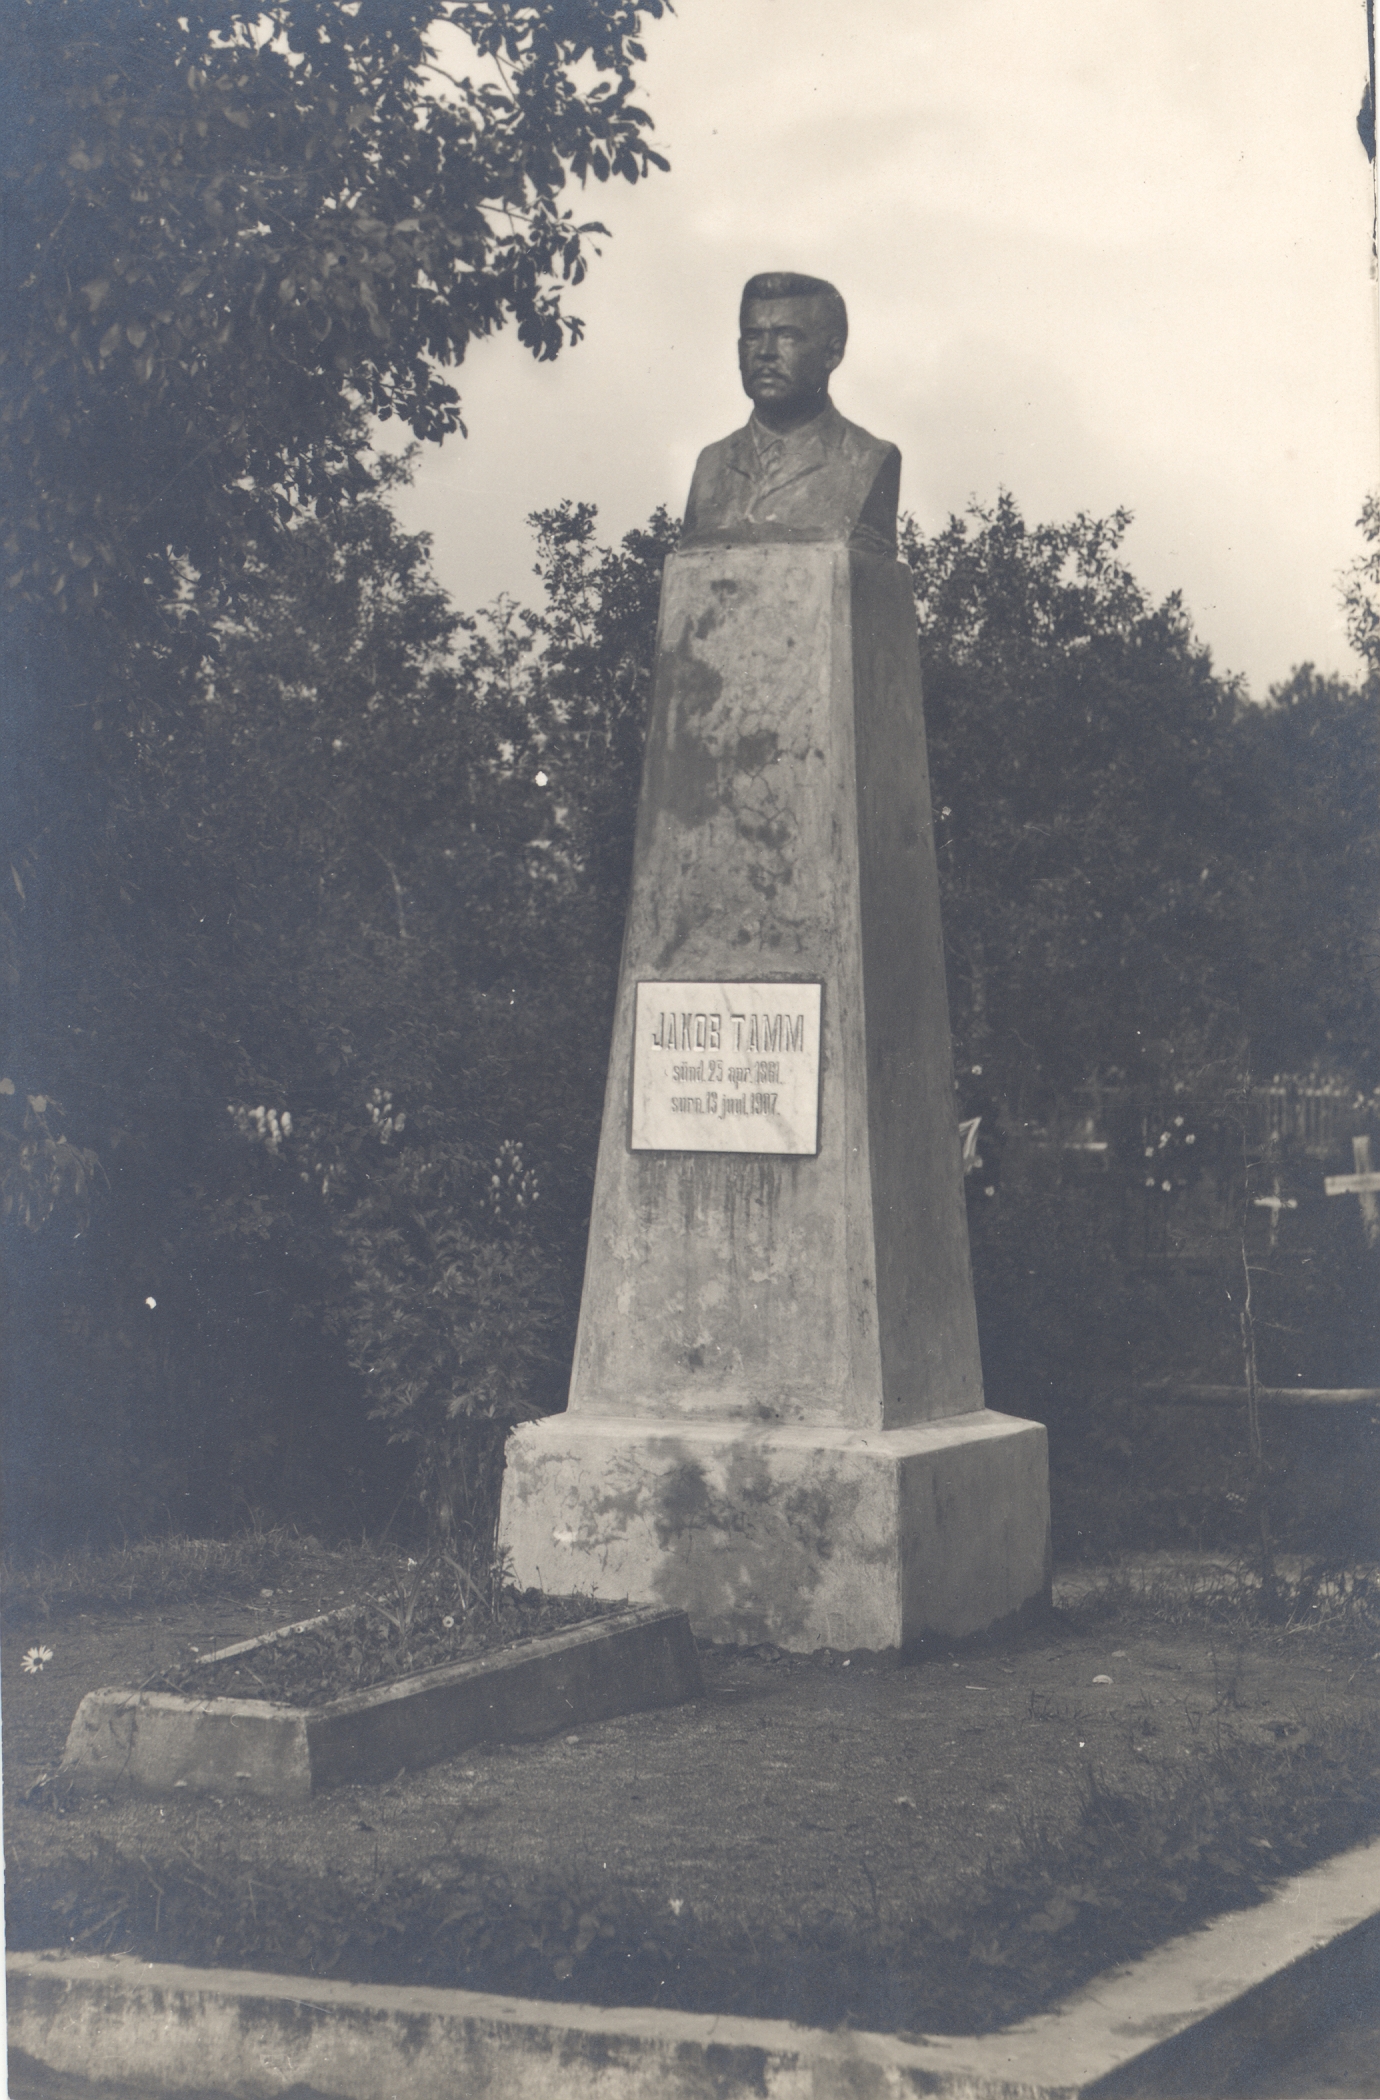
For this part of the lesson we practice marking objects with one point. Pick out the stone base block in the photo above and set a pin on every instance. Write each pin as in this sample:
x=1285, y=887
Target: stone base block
x=803, y=1535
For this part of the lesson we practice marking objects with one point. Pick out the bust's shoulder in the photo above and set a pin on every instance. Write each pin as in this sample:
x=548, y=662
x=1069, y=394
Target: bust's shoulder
x=861, y=443
x=720, y=468
x=725, y=449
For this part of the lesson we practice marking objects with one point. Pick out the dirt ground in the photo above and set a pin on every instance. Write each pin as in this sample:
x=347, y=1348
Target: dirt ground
x=796, y=1788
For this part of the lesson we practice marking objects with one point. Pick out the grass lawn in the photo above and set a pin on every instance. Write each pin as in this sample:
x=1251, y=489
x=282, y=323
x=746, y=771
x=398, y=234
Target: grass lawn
x=944, y=1843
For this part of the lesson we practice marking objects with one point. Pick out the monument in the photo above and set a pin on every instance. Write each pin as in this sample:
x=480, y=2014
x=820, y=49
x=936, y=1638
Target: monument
x=776, y=1416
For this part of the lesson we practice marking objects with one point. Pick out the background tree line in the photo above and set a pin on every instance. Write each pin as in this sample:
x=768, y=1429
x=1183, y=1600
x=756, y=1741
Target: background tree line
x=316, y=884
x=332, y=1010
x=230, y=235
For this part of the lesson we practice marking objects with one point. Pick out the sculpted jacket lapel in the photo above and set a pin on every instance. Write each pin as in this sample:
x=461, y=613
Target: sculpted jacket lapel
x=742, y=454
x=804, y=457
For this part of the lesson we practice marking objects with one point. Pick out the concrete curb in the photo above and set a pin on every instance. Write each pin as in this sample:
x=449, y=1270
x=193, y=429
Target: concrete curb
x=164, y=1742
x=1178, y=2022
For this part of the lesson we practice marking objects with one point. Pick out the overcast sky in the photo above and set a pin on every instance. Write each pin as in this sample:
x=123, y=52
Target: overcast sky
x=1099, y=252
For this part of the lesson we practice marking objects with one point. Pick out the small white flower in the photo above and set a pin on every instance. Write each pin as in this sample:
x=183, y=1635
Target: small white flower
x=1189, y=1139
x=977, y=1071
x=448, y=1622
x=35, y=1659
x=540, y=779
x=152, y=1304
x=989, y=1192
x=1166, y=1186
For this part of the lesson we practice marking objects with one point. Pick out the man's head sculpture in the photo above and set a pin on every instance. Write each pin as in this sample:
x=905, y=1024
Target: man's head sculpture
x=799, y=471
x=792, y=332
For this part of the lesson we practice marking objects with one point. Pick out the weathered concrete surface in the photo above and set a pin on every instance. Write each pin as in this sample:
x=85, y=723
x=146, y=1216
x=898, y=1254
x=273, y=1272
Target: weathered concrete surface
x=160, y=1742
x=784, y=833
x=783, y=1337
x=1180, y=2021
x=806, y=1536
x=627, y=1663
x=157, y=1742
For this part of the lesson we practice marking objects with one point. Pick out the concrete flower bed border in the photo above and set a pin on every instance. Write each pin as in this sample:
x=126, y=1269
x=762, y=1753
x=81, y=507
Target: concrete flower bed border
x=162, y=1742
x=1202, y=2011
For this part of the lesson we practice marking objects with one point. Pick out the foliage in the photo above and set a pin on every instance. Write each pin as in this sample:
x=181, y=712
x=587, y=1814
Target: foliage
x=348, y=951
x=229, y=236
x=580, y=715
x=455, y=1321
x=170, y=1571
x=321, y=992
x=1208, y=1833
x=1076, y=733
x=1361, y=588
x=1302, y=808
x=1139, y=867
x=443, y=1616
x=42, y=1171
x=1150, y=887
x=228, y=230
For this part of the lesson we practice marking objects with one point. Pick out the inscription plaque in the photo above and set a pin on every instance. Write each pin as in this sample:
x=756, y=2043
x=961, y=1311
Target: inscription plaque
x=726, y=1068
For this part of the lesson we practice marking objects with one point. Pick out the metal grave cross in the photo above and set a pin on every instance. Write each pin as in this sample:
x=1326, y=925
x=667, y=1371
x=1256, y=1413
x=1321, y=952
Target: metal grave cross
x=1365, y=1183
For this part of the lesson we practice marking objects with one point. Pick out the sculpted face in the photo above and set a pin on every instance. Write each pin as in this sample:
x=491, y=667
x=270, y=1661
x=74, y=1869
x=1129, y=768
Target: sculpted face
x=786, y=350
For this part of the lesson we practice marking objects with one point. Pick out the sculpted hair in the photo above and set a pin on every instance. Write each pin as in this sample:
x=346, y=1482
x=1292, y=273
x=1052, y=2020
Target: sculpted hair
x=787, y=284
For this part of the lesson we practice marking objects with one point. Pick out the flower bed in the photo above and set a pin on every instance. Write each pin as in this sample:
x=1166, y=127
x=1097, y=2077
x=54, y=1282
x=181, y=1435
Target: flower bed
x=163, y=1742
x=427, y=1623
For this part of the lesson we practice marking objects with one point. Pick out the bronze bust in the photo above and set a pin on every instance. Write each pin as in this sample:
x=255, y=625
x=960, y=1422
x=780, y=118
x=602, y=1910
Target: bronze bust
x=799, y=470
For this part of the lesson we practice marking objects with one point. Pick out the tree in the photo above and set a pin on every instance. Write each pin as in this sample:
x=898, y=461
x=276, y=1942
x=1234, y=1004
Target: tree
x=348, y=953
x=1361, y=589
x=229, y=230
x=578, y=715
x=240, y=954
x=1076, y=734
x=1305, y=835
x=340, y=906
x=230, y=236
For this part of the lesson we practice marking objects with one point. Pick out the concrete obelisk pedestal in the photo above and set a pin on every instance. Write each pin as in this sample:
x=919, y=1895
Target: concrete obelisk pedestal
x=776, y=1416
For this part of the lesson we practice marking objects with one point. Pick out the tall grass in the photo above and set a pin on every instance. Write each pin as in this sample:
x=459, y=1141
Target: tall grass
x=148, y=1573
